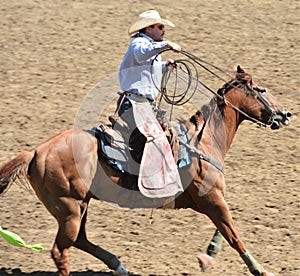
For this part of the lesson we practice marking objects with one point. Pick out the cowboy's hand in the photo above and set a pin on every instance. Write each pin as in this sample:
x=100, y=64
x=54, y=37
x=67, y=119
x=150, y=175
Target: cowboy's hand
x=171, y=64
x=174, y=46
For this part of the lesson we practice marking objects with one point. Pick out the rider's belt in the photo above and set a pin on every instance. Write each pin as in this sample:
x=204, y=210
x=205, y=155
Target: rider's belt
x=133, y=94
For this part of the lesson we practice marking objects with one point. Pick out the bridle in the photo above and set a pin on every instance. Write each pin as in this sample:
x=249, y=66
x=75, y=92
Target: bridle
x=257, y=92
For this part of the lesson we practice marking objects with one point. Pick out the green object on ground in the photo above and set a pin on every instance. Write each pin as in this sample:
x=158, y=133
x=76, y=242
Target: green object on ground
x=16, y=240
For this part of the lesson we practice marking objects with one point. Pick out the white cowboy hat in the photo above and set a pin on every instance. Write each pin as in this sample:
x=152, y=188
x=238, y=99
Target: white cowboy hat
x=148, y=18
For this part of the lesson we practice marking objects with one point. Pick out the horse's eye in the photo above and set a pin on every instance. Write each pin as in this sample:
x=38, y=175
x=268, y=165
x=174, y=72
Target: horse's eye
x=262, y=90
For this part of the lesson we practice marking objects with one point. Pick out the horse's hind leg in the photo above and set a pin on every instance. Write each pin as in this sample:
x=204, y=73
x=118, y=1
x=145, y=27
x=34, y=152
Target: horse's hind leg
x=214, y=247
x=69, y=218
x=109, y=259
x=61, y=259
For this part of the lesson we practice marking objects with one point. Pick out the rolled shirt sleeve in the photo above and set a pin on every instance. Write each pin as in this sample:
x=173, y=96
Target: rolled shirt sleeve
x=144, y=51
x=141, y=69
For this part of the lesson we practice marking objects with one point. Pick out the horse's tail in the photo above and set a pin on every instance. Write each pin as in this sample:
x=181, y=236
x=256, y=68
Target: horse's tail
x=16, y=170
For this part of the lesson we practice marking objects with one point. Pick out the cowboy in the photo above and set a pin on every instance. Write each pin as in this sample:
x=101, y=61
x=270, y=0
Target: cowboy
x=147, y=41
x=139, y=76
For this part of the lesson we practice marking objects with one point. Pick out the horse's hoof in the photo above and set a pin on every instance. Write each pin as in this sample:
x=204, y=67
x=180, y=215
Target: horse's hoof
x=205, y=261
x=120, y=271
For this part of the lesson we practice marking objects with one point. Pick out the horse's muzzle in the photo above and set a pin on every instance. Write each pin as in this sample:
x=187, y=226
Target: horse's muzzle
x=281, y=117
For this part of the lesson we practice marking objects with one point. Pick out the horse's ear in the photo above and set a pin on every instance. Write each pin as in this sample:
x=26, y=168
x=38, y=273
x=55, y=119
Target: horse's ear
x=239, y=69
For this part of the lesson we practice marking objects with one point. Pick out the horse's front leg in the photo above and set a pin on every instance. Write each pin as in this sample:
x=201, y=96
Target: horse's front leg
x=214, y=206
x=218, y=211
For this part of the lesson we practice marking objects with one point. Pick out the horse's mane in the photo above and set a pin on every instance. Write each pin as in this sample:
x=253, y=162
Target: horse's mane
x=241, y=78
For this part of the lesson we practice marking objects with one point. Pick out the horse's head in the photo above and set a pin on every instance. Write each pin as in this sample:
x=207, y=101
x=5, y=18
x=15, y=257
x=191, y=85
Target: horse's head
x=255, y=103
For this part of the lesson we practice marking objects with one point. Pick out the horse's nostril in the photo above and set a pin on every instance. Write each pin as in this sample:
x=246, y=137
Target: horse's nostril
x=288, y=115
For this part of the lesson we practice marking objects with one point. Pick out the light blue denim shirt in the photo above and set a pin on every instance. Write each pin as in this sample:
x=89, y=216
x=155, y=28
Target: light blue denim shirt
x=135, y=70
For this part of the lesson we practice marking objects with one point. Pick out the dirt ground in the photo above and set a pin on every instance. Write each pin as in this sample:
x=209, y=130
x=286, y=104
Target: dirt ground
x=53, y=53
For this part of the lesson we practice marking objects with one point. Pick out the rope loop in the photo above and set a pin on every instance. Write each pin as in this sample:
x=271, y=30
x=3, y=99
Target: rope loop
x=180, y=80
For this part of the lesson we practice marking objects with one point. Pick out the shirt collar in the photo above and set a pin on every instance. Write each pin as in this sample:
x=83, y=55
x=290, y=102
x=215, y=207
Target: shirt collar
x=146, y=36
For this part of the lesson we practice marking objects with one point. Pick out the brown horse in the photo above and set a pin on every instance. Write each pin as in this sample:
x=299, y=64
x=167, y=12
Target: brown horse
x=65, y=173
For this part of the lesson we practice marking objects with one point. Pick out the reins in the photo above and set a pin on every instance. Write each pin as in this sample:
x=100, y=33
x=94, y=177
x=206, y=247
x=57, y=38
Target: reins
x=185, y=66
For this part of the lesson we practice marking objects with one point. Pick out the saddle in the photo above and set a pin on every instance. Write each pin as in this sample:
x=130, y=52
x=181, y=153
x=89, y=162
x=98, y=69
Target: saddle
x=112, y=146
x=118, y=153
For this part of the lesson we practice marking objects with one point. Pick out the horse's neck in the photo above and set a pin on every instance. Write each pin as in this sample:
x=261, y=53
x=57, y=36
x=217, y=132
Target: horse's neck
x=219, y=131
